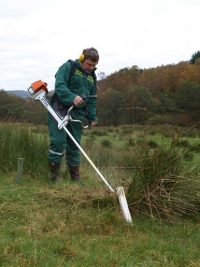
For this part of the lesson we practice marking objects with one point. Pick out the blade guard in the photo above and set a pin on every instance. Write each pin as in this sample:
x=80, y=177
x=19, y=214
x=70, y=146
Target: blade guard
x=39, y=85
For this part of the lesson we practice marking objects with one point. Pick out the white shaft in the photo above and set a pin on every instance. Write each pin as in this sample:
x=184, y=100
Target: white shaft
x=49, y=108
x=89, y=160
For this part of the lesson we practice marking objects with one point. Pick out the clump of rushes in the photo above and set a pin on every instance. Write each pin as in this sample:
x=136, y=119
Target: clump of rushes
x=159, y=187
x=106, y=143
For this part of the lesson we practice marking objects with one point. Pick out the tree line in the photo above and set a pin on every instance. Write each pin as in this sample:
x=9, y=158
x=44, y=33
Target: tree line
x=17, y=109
x=166, y=94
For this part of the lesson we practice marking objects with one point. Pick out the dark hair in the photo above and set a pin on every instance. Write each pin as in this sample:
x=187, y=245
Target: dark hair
x=91, y=53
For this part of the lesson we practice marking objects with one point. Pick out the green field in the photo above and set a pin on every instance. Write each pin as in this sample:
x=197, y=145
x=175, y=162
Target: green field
x=70, y=224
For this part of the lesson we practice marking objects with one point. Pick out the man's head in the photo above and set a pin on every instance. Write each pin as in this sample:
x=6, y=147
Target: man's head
x=89, y=59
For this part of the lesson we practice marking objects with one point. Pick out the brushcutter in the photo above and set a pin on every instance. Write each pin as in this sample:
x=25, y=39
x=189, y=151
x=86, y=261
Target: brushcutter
x=38, y=91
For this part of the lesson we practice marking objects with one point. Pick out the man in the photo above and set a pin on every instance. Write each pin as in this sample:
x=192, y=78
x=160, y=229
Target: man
x=75, y=85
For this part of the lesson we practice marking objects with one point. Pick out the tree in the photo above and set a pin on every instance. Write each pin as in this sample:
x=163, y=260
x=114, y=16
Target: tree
x=195, y=57
x=13, y=108
x=140, y=103
x=166, y=104
x=109, y=108
x=188, y=97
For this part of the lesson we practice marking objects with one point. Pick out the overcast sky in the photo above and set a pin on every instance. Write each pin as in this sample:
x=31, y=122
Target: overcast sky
x=37, y=36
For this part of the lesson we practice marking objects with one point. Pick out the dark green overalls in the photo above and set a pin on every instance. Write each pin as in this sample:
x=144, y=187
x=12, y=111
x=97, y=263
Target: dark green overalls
x=67, y=87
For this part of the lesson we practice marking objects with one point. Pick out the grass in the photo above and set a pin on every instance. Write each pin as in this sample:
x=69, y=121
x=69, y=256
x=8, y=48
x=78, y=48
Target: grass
x=67, y=225
x=21, y=141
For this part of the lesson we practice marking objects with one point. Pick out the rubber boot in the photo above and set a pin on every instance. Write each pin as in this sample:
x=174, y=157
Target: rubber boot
x=54, y=171
x=74, y=173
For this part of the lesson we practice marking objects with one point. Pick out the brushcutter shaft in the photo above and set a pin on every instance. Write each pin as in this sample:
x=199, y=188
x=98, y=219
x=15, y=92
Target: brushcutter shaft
x=89, y=160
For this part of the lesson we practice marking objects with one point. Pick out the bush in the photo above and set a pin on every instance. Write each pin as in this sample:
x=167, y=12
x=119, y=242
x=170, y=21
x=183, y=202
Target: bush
x=152, y=144
x=159, y=189
x=106, y=143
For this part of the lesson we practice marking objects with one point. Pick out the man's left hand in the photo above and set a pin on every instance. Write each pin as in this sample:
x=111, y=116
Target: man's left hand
x=93, y=123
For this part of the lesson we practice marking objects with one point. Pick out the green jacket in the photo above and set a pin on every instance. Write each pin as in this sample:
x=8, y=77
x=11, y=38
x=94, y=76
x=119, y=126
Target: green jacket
x=80, y=83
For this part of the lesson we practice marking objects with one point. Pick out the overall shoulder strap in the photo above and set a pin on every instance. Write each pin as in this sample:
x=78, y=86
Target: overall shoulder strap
x=73, y=68
x=94, y=77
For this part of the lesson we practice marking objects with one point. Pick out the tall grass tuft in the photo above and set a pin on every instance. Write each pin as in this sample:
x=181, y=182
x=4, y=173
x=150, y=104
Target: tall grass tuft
x=106, y=143
x=159, y=186
x=18, y=141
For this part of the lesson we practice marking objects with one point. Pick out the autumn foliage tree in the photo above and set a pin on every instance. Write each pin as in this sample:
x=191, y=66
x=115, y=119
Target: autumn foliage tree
x=172, y=89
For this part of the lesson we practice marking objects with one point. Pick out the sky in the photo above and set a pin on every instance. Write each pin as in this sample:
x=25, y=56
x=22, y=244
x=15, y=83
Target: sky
x=37, y=36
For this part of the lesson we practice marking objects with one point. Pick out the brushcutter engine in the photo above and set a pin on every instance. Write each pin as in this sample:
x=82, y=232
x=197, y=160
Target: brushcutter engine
x=36, y=87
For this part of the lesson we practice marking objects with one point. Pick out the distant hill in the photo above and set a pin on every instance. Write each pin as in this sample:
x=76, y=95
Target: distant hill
x=19, y=93
x=23, y=93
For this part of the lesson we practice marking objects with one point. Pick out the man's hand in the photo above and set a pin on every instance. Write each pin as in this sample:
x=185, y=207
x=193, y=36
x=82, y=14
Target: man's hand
x=93, y=123
x=78, y=101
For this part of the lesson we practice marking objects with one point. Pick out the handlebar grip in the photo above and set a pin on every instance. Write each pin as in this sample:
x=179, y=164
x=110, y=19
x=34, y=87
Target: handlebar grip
x=83, y=96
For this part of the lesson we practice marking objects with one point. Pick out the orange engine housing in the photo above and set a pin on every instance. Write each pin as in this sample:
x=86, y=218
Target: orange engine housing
x=39, y=85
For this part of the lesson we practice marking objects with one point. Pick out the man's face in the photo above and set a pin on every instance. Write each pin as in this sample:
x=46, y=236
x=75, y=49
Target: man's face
x=88, y=66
